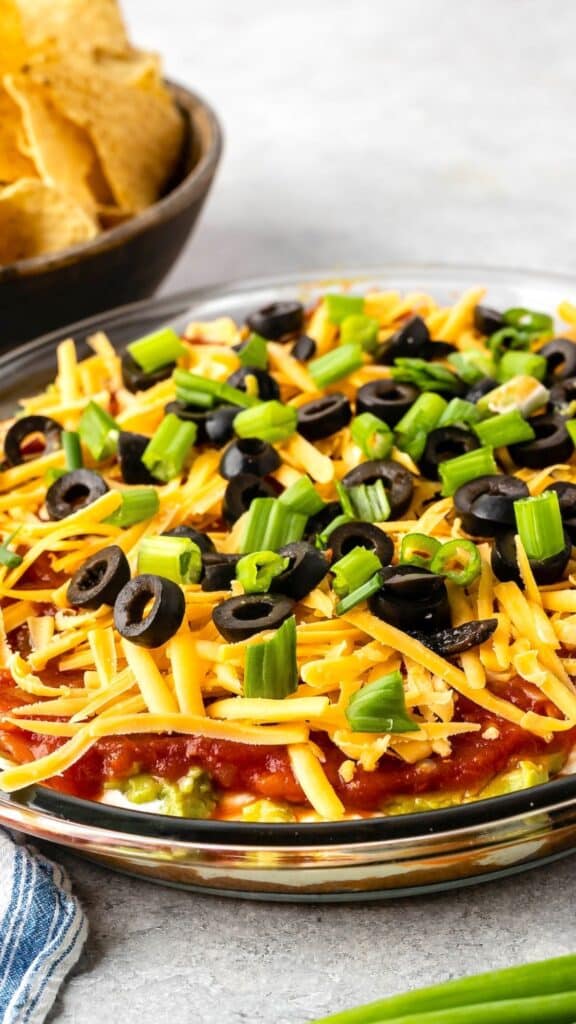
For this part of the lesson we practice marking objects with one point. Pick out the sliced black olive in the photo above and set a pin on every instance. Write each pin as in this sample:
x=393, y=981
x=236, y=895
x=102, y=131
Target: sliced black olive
x=546, y=570
x=303, y=349
x=321, y=520
x=386, y=399
x=361, y=535
x=100, y=579
x=206, y=545
x=437, y=350
x=277, y=319
x=23, y=430
x=474, y=505
x=551, y=444
x=240, y=494
x=480, y=388
x=214, y=425
x=74, y=491
x=416, y=600
x=397, y=480
x=131, y=448
x=307, y=569
x=487, y=320
x=268, y=389
x=563, y=394
x=567, y=500
x=560, y=355
x=408, y=341
x=241, y=617
x=135, y=379
x=458, y=639
x=324, y=416
x=445, y=443
x=248, y=455
x=149, y=610
x=218, y=571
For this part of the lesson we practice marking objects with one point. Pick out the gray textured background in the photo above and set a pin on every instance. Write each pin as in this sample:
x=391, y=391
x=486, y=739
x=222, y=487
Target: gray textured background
x=356, y=133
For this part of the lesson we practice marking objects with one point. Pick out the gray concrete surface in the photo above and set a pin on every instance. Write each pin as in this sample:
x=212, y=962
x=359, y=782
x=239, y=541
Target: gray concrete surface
x=356, y=133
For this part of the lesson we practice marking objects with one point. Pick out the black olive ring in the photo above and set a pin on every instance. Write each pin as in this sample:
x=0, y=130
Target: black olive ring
x=73, y=491
x=277, y=319
x=445, y=443
x=100, y=579
x=386, y=399
x=136, y=379
x=239, y=618
x=268, y=389
x=324, y=416
x=551, y=444
x=486, y=505
x=560, y=355
x=149, y=610
x=248, y=455
x=408, y=341
x=308, y=567
x=546, y=570
x=397, y=480
x=131, y=448
x=26, y=427
x=361, y=535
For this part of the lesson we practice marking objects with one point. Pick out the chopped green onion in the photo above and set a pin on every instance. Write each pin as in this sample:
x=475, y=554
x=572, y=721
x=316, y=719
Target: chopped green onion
x=514, y=364
x=335, y=365
x=7, y=557
x=508, y=339
x=504, y=429
x=360, y=594
x=191, y=383
x=157, y=349
x=526, y=394
x=269, y=421
x=528, y=320
x=271, y=669
x=353, y=570
x=511, y=988
x=53, y=474
x=338, y=307
x=270, y=525
x=139, y=504
x=571, y=428
x=256, y=571
x=458, y=471
x=458, y=560
x=472, y=365
x=360, y=329
x=423, y=414
x=459, y=411
x=373, y=436
x=418, y=549
x=254, y=352
x=169, y=447
x=199, y=399
x=412, y=444
x=426, y=376
x=72, y=449
x=98, y=431
x=176, y=558
x=302, y=497
x=380, y=707
x=368, y=502
x=323, y=538
x=539, y=524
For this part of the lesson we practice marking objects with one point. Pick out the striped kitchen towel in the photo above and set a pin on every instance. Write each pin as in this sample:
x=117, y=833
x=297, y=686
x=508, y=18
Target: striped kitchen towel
x=42, y=931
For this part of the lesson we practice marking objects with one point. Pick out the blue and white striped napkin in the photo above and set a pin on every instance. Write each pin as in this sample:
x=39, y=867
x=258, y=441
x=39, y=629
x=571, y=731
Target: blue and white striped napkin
x=42, y=931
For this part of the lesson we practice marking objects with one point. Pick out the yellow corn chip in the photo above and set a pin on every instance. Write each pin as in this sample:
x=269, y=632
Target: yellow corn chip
x=36, y=218
x=14, y=50
x=74, y=25
x=14, y=163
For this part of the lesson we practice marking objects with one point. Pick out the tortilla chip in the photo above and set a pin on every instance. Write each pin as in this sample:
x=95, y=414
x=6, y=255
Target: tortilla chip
x=63, y=153
x=14, y=163
x=138, y=134
x=36, y=219
x=14, y=50
x=74, y=26
x=138, y=68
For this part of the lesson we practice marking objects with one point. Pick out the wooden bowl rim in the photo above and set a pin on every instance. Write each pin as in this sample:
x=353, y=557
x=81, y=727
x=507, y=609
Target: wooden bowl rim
x=210, y=138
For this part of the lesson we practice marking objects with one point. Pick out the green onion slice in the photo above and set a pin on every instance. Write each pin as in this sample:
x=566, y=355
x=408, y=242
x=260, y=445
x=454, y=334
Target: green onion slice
x=7, y=557
x=271, y=669
x=254, y=352
x=368, y=502
x=426, y=376
x=360, y=594
x=338, y=307
x=372, y=435
x=98, y=431
x=360, y=329
x=269, y=421
x=418, y=549
x=459, y=412
x=302, y=497
x=472, y=365
x=256, y=571
x=458, y=560
x=138, y=504
x=514, y=364
x=72, y=449
x=380, y=707
x=458, y=471
x=335, y=365
x=270, y=525
x=353, y=570
x=176, y=558
x=157, y=349
x=507, y=428
x=423, y=415
x=168, y=449
x=539, y=523
x=216, y=391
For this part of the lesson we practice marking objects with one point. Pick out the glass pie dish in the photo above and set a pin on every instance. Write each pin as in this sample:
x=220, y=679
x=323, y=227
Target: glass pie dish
x=354, y=859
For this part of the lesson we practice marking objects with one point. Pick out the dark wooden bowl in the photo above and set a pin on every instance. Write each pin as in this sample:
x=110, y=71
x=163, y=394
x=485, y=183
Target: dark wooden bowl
x=123, y=264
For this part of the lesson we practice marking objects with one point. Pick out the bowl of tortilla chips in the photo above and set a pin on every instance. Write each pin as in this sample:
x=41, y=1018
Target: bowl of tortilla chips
x=104, y=166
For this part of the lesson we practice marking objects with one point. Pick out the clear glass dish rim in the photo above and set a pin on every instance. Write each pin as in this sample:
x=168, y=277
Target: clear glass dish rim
x=452, y=821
